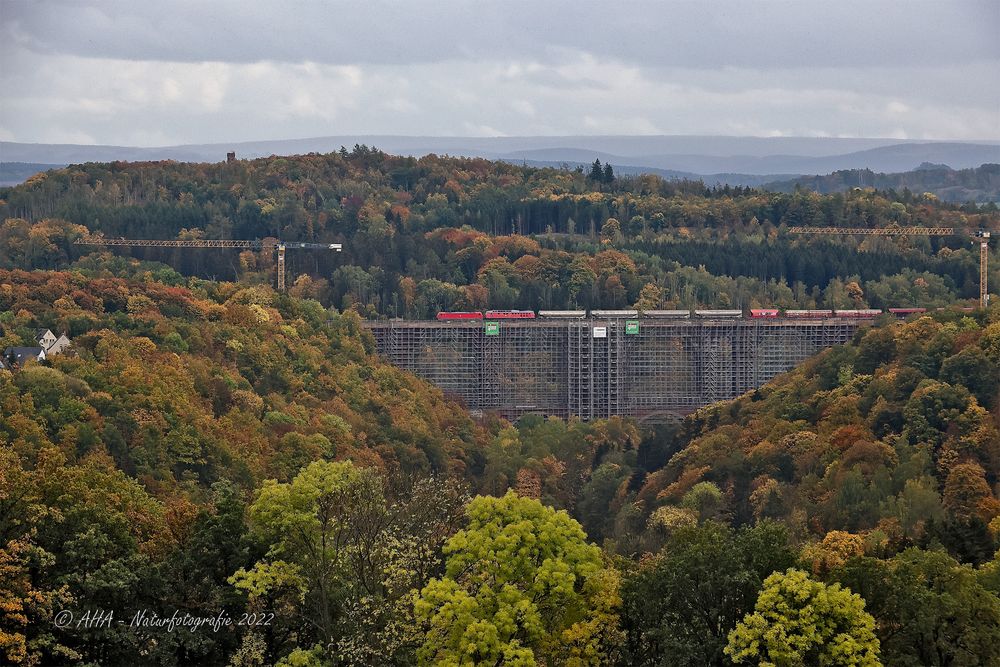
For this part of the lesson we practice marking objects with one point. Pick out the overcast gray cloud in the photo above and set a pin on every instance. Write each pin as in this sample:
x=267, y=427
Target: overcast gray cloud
x=189, y=72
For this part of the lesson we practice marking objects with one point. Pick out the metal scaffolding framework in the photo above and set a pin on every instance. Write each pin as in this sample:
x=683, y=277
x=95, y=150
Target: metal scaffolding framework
x=653, y=370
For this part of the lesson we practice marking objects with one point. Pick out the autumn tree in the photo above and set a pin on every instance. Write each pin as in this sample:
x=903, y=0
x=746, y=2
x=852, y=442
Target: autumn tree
x=974, y=370
x=28, y=597
x=343, y=559
x=679, y=606
x=705, y=500
x=611, y=230
x=799, y=621
x=967, y=493
x=836, y=548
x=91, y=531
x=650, y=297
x=521, y=586
x=856, y=294
x=929, y=609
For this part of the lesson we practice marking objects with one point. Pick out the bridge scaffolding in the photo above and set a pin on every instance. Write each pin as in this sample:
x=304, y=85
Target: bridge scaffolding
x=653, y=370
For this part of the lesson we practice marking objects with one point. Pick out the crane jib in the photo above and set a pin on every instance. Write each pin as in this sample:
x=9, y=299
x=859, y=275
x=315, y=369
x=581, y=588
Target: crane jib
x=205, y=243
x=982, y=235
x=876, y=231
x=256, y=244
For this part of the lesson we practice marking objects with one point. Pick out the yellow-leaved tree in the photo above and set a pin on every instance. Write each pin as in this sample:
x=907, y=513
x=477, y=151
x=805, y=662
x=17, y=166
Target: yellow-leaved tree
x=522, y=587
x=800, y=621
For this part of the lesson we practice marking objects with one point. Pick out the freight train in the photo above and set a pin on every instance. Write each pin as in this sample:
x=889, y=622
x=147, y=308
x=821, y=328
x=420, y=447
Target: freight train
x=753, y=313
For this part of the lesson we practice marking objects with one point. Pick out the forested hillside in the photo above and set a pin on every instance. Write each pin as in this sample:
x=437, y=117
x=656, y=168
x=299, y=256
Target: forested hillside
x=215, y=449
x=133, y=478
x=126, y=465
x=447, y=233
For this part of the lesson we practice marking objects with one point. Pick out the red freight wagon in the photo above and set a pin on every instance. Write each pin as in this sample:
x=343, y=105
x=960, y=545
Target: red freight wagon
x=453, y=315
x=510, y=314
x=763, y=312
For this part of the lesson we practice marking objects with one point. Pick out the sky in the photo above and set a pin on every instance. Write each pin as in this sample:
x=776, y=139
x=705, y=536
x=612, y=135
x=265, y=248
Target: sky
x=177, y=71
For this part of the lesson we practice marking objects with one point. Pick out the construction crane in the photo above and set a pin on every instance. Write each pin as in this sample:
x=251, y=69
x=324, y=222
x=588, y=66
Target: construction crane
x=983, y=236
x=262, y=244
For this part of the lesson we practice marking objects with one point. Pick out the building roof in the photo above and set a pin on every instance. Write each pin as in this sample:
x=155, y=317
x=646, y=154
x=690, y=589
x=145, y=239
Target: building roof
x=59, y=345
x=19, y=354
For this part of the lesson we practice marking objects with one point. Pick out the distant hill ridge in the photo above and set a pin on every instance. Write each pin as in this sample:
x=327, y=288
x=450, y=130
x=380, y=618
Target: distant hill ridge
x=954, y=171
x=692, y=154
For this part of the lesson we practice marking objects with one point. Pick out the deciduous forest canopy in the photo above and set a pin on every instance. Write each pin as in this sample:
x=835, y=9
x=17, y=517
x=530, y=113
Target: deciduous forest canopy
x=212, y=444
x=451, y=233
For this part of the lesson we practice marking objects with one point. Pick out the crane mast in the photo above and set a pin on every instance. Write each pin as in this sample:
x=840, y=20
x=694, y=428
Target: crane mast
x=984, y=246
x=256, y=244
x=984, y=236
x=281, y=268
